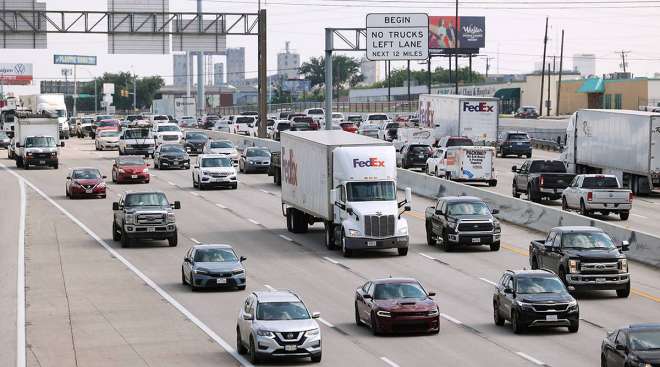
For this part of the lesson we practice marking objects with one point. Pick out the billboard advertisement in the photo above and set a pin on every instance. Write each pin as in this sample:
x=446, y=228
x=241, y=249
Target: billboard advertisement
x=471, y=32
x=15, y=74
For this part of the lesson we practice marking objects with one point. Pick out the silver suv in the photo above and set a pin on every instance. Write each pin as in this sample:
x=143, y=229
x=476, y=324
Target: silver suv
x=277, y=324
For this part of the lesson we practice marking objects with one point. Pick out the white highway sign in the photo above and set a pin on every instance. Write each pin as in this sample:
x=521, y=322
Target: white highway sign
x=397, y=36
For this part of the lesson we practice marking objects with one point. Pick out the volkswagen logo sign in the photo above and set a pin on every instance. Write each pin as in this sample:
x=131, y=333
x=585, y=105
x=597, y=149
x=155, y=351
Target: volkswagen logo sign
x=19, y=68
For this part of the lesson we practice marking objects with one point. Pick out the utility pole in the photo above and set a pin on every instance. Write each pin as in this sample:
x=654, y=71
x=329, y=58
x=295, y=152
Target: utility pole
x=408, y=81
x=488, y=64
x=561, y=69
x=428, y=73
x=75, y=91
x=548, y=107
x=456, y=48
x=389, y=80
x=263, y=77
x=624, y=64
x=545, y=45
x=134, y=92
x=201, y=100
x=329, y=45
x=96, y=99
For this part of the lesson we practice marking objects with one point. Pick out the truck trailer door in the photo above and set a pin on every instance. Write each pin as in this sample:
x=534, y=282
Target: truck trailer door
x=655, y=145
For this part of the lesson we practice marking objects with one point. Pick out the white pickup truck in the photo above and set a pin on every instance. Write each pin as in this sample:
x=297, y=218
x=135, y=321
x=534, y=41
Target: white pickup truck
x=597, y=193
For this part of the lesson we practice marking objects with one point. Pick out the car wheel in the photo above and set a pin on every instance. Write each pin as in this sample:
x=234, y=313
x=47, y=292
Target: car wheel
x=114, y=177
x=173, y=240
x=623, y=293
x=193, y=287
x=514, y=191
x=603, y=361
x=183, y=278
x=518, y=328
x=316, y=358
x=564, y=204
x=358, y=321
x=346, y=252
x=234, y=186
x=194, y=182
x=429, y=237
x=574, y=326
x=374, y=324
x=497, y=318
x=253, y=352
x=535, y=263
x=116, y=235
x=402, y=251
x=240, y=348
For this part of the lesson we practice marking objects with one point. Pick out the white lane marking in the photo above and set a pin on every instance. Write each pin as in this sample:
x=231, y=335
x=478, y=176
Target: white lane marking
x=331, y=260
x=639, y=216
x=326, y=323
x=207, y=330
x=427, y=256
x=194, y=193
x=20, y=281
x=195, y=241
x=253, y=221
x=447, y=317
x=171, y=183
x=488, y=281
x=264, y=191
x=286, y=238
x=220, y=206
x=530, y=358
x=389, y=361
x=269, y=287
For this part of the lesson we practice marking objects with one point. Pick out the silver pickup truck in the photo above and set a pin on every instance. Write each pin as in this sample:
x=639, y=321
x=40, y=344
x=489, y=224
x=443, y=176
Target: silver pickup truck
x=144, y=215
x=597, y=193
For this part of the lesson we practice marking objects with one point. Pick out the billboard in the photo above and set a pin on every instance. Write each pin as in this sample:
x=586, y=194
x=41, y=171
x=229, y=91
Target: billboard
x=443, y=35
x=15, y=74
x=74, y=60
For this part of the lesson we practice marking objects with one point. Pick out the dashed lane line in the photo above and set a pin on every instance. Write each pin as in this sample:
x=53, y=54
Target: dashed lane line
x=195, y=241
x=272, y=289
x=286, y=238
x=389, y=362
x=488, y=281
x=530, y=358
x=253, y=221
x=220, y=206
x=447, y=317
x=331, y=260
x=326, y=323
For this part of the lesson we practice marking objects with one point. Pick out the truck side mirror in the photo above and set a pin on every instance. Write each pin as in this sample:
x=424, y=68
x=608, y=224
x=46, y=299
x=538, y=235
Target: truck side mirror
x=115, y=206
x=549, y=247
x=625, y=245
x=514, y=169
x=18, y=145
x=349, y=210
x=495, y=211
x=62, y=144
x=177, y=205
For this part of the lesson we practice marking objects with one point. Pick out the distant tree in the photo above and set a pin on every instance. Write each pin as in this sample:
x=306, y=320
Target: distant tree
x=399, y=77
x=146, y=87
x=345, y=72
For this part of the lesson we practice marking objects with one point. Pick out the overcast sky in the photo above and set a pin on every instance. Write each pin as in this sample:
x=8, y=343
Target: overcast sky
x=514, y=33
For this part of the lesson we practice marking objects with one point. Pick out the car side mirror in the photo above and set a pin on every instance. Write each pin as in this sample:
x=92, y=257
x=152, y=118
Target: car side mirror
x=431, y=294
x=549, y=248
x=366, y=296
x=495, y=211
x=620, y=347
x=68, y=177
x=104, y=177
x=625, y=245
x=62, y=144
x=514, y=169
x=196, y=166
x=248, y=316
x=242, y=258
x=115, y=206
x=18, y=145
x=316, y=315
x=508, y=290
x=188, y=260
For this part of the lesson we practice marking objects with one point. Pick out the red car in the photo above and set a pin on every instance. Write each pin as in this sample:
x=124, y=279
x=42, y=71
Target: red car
x=349, y=127
x=130, y=169
x=85, y=182
x=110, y=124
x=394, y=305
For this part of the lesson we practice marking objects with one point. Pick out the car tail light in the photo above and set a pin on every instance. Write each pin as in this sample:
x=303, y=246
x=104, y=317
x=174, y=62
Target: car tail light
x=541, y=180
x=590, y=196
x=630, y=197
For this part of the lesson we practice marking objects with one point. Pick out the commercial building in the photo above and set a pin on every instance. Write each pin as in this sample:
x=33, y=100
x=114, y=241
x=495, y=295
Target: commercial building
x=288, y=63
x=236, y=66
x=609, y=93
x=218, y=74
x=371, y=71
x=180, y=69
x=585, y=64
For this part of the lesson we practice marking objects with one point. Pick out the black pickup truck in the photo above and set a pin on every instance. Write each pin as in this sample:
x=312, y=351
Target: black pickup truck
x=540, y=179
x=275, y=168
x=583, y=258
x=462, y=220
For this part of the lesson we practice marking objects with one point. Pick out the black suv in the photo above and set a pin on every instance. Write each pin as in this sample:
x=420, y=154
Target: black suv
x=414, y=155
x=514, y=143
x=636, y=345
x=534, y=298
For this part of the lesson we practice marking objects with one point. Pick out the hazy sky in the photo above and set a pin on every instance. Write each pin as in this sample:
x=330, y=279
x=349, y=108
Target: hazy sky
x=514, y=33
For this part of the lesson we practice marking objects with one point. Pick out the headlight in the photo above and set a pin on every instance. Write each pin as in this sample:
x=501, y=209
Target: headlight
x=573, y=266
x=312, y=332
x=498, y=227
x=524, y=304
x=129, y=218
x=146, y=170
x=171, y=218
x=101, y=185
x=384, y=314
x=353, y=232
x=237, y=271
x=572, y=305
x=205, y=173
x=403, y=231
x=623, y=265
x=452, y=225
x=200, y=271
x=435, y=312
x=29, y=154
x=266, y=333
x=121, y=170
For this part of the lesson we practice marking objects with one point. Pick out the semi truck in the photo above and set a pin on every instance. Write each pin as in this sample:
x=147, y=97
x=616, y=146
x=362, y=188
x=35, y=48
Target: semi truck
x=349, y=183
x=52, y=103
x=454, y=115
x=623, y=143
x=37, y=140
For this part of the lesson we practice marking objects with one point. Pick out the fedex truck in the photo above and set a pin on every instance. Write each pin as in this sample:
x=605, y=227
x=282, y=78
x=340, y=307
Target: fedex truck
x=347, y=182
x=454, y=115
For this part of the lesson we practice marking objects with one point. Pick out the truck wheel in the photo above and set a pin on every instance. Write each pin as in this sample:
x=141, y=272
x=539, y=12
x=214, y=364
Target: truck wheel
x=289, y=220
x=429, y=237
x=624, y=215
x=299, y=222
x=583, y=209
x=514, y=191
x=116, y=236
x=329, y=236
x=562, y=276
x=533, y=195
x=346, y=252
x=495, y=246
x=402, y=251
x=19, y=162
x=56, y=166
x=492, y=183
x=623, y=293
x=173, y=240
x=125, y=241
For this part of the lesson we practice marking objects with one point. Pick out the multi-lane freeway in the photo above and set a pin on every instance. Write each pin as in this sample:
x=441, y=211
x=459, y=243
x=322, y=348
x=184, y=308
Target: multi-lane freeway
x=90, y=302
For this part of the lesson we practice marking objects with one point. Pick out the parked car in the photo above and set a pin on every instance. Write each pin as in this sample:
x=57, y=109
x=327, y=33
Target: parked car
x=194, y=141
x=541, y=179
x=277, y=324
x=634, y=345
x=214, y=170
x=583, y=258
x=318, y=114
x=171, y=156
x=107, y=139
x=208, y=121
x=514, y=143
x=213, y=266
x=393, y=305
x=337, y=117
x=130, y=169
x=527, y=112
x=222, y=147
x=534, y=298
x=462, y=220
x=597, y=193
x=85, y=183
x=144, y=215
x=254, y=159
x=280, y=125
x=244, y=125
x=313, y=124
x=413, y=155
x=356, y=119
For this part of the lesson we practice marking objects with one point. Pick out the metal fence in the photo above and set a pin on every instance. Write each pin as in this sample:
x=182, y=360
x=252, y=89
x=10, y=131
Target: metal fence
x=345, y=107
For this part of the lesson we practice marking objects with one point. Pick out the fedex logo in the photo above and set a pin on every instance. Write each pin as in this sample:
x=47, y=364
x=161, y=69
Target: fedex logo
x=371, y=162
x=479, y=107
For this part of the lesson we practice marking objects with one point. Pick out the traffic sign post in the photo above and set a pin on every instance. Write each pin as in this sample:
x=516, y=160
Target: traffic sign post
x=397, y=36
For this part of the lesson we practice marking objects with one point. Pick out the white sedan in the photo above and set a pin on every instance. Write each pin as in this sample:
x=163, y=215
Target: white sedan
x=107, y=139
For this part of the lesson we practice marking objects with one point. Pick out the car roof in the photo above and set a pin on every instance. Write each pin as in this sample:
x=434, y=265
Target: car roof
x=651, y=325
x=167, y=124
x=395, y=280
x=461, y=199
x=82, y=168
x=276, y=296
x=212, y=245
x=567, y=229
x=217, y=140
x=527, y=272
x=143, y=192
x=203, y=156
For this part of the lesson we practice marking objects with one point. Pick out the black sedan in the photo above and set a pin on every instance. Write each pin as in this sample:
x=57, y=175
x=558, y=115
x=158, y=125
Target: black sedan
x=212, y=266
x=635, y=345
x=171, y=156
x=194, y=141
x=254, y=159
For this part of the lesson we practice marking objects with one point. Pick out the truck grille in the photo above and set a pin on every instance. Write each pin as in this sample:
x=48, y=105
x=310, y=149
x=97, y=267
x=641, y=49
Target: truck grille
x=151, y=219
x=475, y=226
x=41, y=155
x=599, y=268
x=379, y=225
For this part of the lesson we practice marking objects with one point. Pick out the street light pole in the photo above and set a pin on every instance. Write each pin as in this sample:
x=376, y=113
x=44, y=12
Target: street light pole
x=456, y=48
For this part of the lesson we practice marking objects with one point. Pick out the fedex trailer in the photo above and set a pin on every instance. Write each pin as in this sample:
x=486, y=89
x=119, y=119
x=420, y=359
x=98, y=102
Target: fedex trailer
x=348, y=182
x=454, y=115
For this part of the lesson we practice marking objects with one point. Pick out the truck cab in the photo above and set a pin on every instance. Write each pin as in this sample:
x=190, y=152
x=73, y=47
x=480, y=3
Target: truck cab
x=36, y=141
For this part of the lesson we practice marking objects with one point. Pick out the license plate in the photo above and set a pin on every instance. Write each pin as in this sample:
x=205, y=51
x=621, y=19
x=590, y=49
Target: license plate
x=89, y=191
x=600, y=280
x=133, y=176
x=151, y=229
x=221, y=281
x=290, y=348
x=421, y=156
x=476, y=240
x=518, y=143
x=42, y=162
x=371, y=243
x=551, y=317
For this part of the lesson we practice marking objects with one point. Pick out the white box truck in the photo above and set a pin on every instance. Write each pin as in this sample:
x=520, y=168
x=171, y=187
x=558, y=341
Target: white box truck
x=348, y=182
x=37, y=140
x=456, y=115
x=464, y=163
x=623, y=143
x=52, y=103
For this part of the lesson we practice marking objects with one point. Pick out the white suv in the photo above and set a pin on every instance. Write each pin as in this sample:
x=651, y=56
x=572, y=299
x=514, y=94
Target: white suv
x=277, y=324
x=214, y=170
x=167, y=133
x=244, y=124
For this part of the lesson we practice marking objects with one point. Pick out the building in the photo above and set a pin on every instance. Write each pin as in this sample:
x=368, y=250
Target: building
x=218, y=74
x=180, y=69
x=288, y=63
x=371, y=71
x=585, y=64
x=596, y=92
x=235, y=66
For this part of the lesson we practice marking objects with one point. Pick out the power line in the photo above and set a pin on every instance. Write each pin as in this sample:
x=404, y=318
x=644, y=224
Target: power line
x=652, y=4
x=624, y=64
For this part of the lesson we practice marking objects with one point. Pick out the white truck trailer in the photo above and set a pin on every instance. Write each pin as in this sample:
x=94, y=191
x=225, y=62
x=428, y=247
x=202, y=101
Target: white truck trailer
x=456, y=115
x=348, y=182
x=37, y=140
x=622, y=143
x=52, y=103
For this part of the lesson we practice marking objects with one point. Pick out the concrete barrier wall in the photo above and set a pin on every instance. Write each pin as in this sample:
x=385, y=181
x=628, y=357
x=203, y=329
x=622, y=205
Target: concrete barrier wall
x=644, y=247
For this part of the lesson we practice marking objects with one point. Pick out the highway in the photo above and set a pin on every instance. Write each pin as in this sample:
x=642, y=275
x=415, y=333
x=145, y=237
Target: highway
x=91, y=302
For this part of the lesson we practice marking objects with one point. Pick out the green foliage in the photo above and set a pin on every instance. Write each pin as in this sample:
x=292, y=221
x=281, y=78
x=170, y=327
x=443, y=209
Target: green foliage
x=345, y=70
x=399, y=77
x=146, y=88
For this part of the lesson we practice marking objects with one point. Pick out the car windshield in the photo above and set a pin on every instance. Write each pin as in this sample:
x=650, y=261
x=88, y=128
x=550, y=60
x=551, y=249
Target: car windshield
x=244, y=120
x=371, y=191
x=196, y=136
x=645, y=339
x=221, y=144
x=112, y=134
x=518, y=137
x=146, y=199
x=171, y=148
x=282, y=126
x=534, y=285
x=398, y=290
x=337, y=115
x=301, y=126
x=168, y=128
x=212, y=118
x=213, y=255
x=103, y=117
x=216, y=162
x=257, y=153
x=161, y=118
x=378, y=117
x=273, y=311
x=547, y=166
x=107, y=123
x=459, y=142
x=131, y=161
x=602, y=182
x=315, y=111
x=468, y=208
x=354, y=118
x=420, y=149
x=137, y=134
x=86, y=174
x=587, y=240
x=40, y=142
x=3, y=135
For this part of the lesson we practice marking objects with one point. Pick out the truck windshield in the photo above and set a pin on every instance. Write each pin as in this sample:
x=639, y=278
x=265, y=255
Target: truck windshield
x=587, y=241
x=40, y=142
x=547, y=167
x=137, y=134
x=146, y=199
x=468, y=208
x=371, y=191
x=60, y=113
x=535, y=285
x=600, y=183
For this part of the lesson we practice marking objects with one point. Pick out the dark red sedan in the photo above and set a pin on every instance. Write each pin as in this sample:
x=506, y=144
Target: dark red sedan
x=349, y=127
x=130, y=169
x=85, y=182
x=396, y=305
